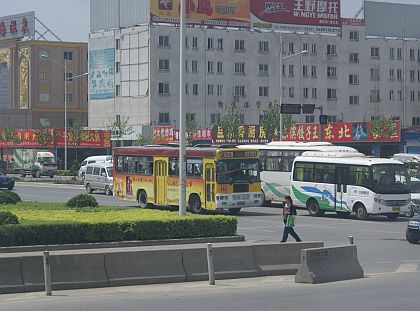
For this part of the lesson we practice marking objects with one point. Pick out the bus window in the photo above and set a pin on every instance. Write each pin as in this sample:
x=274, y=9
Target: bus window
x=324, y=173
x=119, y=166
x=132, y=165
x=173, y=169
x=304, y=172
x=359, y=176
x=194, y=167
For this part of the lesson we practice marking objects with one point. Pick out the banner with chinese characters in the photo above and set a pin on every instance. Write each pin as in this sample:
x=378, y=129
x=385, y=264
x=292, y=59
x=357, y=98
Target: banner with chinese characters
x=244, y=134
x=220, y=13
x=31, y=138
x=303, y=133
x=163, y=134
x=202, y=134
x=319, y=16
x=17, y=26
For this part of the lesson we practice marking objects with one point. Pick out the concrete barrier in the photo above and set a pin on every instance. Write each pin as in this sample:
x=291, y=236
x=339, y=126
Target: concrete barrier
x=144, y=267
x=280, y=259
x=10, y=277
x=329, y=264
x=32, y=269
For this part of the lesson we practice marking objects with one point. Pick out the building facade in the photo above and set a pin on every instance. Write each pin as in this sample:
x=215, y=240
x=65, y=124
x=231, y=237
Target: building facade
x=32, y=83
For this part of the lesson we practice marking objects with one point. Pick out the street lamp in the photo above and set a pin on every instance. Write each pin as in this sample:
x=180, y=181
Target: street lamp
x=281, y=78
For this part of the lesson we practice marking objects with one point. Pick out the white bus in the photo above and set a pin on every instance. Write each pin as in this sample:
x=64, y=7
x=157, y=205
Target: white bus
x=350, y=182
x=276, y=160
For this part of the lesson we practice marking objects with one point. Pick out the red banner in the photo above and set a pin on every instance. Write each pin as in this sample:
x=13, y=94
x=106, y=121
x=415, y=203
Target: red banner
x=163, y=134
x=95, y=139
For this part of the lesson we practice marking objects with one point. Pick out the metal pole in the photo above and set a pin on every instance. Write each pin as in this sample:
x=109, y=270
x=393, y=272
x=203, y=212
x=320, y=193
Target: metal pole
x=182, y=132
x=47, y=273
x=281, y=85
x=351, y=240
x=210, y=263
x=65, y=114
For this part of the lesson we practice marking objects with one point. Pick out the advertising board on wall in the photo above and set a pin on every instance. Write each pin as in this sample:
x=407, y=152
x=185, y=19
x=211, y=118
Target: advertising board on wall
x=318, y=16
x=17, y=26
x=220, y=13
x=101, y=68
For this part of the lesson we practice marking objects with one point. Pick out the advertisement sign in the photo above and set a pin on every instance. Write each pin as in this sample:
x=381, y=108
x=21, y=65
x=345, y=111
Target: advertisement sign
x=319, y=16
x=220, y=13
x=163, y=134
x=303, y=133
x=352, y=22
x=246, y=134
x=17, y=26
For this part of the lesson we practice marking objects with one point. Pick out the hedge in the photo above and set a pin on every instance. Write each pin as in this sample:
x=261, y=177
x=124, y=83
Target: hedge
x=68, y=233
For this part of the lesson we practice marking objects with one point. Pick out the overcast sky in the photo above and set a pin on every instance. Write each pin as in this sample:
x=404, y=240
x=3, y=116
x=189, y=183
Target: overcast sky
x=69, y=19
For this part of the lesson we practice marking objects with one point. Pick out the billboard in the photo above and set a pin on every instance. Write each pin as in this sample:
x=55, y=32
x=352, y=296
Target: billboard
x=17, y=26
x=319, y=16
x=246, y=134
x=220, y=13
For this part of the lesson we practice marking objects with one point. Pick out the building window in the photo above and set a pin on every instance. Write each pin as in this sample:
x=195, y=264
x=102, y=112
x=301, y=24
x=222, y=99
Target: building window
x=354, y=100
x=412, y=96
x=305, y=71
x=374, y=52
x=314, y=93
x=210, y=44
x=291, y=70
x=239, y=45
x=415, y=121
x=117, y=67
x=392, y=95
x=187, y=66
x=263, y=69
x=163, y=64
x=220, y=44
x=117, y=90
x=391, y=53
x=354, y=36
x=240, y=90
x=418, y=96
x=195, y=89
x=68, y=77
x=240, y=68
x=331, y=94
x=399, y=74
x=164, y=41
x=399, y=53
x=313, y=49
x=305, y=47
x=195, y=43
x=215, y=118
x=332, y=119
x=163, y=88
x=313, y=71
x=263, y=47
x=412, y=55
x=353, y=79
x=332, y=72
x=68, y=55
x=194, y=66
x=210, y=89
x=117, y=44
x=45, y=122
x=44, y=97
x=400, y=95
x=391, y=74
x=210, y=67
x=44, y=54
x=291, y=92
x=219, y=67
x=69, y=97
x=305, y=92
x=374, y=96
x=187, y=89
x=354, y=58
x=220, y=89
x=291, y=48
x=331, y=49
x=310, y=119
x=44, y=75
x=374, y=74
x=186, y=43
x=263, y=91
x=163, y=118
x=412, y=75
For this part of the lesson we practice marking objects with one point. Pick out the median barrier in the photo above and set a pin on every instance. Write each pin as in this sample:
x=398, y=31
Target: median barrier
x=10, y=277
x=32, y=269
x=280, y=259
x=144, y=267
x=329, y=264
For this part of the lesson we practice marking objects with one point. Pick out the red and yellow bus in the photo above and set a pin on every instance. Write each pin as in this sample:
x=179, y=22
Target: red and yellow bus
x=216, y=178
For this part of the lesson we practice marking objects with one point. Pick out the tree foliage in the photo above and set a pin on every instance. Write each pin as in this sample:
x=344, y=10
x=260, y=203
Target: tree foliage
x=271, y=122
x=382, y=128
x=44, y=135
x=10, y=135
x=229, y=122
x=191, y=127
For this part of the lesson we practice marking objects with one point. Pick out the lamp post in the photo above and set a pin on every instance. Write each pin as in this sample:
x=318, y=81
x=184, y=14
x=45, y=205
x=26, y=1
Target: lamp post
x=281, y=78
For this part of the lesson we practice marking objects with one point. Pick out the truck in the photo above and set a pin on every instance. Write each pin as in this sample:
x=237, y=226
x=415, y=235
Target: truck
x=34, y=162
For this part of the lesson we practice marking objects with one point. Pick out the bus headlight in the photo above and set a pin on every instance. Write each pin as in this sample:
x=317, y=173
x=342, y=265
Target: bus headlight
x=380, y=201
x=414, y=223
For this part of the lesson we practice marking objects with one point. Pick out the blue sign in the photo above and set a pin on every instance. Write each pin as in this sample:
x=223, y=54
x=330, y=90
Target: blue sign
x=101, y=74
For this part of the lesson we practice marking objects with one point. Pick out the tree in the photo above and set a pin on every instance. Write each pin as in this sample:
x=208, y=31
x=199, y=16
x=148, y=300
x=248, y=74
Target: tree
x=142, y=140
x=191, y=127
x=76, y=135
x=271, y=122
x=121, y=129
x=44, y=135
x=383, y=128
x=10, y=135
x=229, y=122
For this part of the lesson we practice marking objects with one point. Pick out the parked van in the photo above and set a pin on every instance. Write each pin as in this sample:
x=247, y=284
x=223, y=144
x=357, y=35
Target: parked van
x=93, y=159
x=98, y=176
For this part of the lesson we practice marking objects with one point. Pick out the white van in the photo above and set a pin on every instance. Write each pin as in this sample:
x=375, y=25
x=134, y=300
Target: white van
x=91, y=160
x=98, y=176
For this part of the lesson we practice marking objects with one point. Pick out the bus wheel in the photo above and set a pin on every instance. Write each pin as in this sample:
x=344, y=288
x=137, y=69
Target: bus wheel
x=313, y=208
x=142, y=199
x=343, y=214
x=195, y=204
x=361, y=212
x=234, y=211
x=392, y=216
x=89, y=189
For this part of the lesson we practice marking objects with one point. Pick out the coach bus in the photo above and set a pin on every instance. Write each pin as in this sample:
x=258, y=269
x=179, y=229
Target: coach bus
x=350, y=182
x=276, y=160
x=216, y=178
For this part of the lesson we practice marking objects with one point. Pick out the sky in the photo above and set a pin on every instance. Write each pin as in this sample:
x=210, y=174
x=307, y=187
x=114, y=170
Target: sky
x=69, y=19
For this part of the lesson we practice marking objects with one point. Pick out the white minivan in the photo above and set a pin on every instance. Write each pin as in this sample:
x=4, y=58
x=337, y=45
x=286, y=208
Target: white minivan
x=98, y=176
x=93, y=159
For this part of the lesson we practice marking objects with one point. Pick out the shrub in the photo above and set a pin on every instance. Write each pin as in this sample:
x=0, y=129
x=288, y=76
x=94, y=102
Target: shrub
x=7, y=218
x=74, y=169
x=82, y=200
x=9, y=197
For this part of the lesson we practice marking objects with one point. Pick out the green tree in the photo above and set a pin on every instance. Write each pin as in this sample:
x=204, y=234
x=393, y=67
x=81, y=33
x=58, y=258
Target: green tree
x=383, y=128
x=191, y=127
x=271, y=122
x=76, y=133
x=10, y=135
x=142, y=140
x=44, y=135
x=121, y=129
x=229, y=122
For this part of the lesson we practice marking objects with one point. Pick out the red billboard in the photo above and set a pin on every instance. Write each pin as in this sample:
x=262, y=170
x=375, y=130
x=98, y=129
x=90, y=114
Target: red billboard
x=297, y=15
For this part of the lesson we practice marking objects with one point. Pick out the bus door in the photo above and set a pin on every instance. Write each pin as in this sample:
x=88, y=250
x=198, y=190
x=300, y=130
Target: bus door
x=160, y=174
x=341, y=185
x=210, y=186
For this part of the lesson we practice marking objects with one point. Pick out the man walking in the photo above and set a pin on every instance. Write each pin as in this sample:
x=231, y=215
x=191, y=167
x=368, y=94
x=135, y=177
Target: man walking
x=289, y=214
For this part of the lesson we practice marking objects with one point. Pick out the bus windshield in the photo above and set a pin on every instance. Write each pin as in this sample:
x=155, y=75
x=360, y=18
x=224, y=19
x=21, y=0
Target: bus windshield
x=237, y=171
x=390, y=178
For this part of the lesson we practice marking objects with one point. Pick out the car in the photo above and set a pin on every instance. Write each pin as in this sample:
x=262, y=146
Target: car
x=6, y=181
x=413, y=230
x=415, y=196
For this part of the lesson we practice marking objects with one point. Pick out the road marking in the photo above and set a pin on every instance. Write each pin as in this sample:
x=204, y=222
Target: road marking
x=407, y=267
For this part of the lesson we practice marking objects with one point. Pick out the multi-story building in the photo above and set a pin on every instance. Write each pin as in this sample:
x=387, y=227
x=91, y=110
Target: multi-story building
x=32, y=83
x=353, y=77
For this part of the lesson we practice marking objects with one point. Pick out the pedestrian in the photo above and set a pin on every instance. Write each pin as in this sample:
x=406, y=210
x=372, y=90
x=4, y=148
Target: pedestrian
x=289, y=214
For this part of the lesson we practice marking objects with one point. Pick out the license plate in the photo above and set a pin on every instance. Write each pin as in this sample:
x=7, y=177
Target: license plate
x=395, y=209
x=241, y=203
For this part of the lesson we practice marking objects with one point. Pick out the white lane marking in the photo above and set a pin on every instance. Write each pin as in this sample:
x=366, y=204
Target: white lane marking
x=407, y=267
